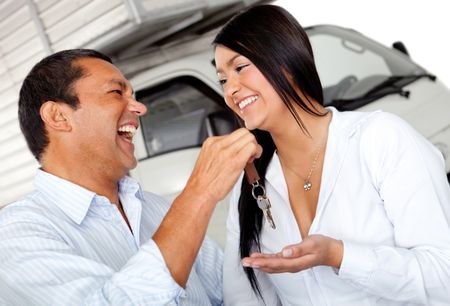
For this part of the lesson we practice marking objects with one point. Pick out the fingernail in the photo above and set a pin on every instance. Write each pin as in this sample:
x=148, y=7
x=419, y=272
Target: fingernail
x=287, y=252
x=245, y=264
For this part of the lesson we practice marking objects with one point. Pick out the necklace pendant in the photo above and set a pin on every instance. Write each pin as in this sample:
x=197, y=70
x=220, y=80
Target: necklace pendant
x=307, y=186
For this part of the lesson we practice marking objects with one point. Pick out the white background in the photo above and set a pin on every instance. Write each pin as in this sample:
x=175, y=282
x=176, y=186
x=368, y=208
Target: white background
x=423, y=26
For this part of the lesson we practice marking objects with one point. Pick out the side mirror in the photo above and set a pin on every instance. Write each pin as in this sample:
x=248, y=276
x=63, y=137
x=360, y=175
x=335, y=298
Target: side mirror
x=398, y=45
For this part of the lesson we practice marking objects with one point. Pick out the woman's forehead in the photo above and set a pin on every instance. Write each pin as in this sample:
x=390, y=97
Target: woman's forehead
x=224, y=57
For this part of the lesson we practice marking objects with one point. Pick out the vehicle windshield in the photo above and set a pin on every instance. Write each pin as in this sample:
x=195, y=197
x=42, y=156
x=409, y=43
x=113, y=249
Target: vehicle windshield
x=355, y=70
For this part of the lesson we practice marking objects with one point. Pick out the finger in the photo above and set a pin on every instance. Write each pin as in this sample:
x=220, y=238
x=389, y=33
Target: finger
x=237, y=143
x=248, y=153
x=249, y=261
x=262, y=255
x=218, y=153
x=238, y=154
x=257, y=154
x=220, y=143
x=280, y=265
x=271, y=265
x=295, y=250
x=220, y=163
x=234, y=136
x=241, y=146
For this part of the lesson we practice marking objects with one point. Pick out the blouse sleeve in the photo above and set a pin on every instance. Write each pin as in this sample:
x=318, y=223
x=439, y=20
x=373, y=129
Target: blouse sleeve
x=409, y=174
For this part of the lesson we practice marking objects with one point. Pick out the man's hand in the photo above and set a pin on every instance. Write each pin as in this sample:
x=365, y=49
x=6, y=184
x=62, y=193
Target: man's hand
x=314, y=250
x=220, y=163
x=218, y=167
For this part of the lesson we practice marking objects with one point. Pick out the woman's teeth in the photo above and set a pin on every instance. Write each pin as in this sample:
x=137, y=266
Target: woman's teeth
x=247, y=101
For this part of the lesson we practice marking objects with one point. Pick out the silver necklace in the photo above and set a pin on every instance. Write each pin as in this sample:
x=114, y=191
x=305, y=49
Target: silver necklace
x=307, y=186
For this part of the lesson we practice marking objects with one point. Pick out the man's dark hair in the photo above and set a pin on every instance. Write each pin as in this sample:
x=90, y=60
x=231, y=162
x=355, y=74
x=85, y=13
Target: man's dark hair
x=52, y=79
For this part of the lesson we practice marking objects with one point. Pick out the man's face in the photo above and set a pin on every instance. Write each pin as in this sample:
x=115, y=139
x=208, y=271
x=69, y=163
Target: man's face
x=106, y=119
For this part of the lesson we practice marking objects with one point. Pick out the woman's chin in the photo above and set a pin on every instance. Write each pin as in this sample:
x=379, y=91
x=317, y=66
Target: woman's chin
x=251, y=125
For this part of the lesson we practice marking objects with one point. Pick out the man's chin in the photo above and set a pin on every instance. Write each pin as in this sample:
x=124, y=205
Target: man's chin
x=125, y=166
x=129, y=163
x=128, y=159
x=134, y=165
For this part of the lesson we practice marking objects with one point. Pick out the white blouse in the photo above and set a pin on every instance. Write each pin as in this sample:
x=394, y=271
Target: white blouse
x=384, y=193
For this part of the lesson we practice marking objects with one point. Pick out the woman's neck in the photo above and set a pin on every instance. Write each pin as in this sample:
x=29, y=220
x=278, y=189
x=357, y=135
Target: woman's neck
x=292, y=142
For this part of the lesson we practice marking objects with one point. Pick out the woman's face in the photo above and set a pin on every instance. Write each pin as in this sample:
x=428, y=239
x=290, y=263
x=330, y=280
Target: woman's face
x=246, y=91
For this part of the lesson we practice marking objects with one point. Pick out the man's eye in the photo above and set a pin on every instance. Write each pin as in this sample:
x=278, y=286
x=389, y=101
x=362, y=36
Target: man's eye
x=117, y=91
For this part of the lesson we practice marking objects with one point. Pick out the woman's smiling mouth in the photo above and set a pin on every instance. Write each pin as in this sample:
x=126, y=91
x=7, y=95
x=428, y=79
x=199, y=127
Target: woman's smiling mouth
x=247, y=101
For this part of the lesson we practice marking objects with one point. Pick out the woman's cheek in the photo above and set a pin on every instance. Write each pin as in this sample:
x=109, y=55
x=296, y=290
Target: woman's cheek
x=234, y=107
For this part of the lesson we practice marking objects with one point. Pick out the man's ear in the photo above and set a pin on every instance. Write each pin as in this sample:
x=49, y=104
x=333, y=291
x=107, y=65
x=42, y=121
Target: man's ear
x=56, y=116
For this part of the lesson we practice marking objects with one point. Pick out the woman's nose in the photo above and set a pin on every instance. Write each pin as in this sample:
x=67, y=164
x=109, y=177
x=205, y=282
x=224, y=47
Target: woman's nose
x=231, y=87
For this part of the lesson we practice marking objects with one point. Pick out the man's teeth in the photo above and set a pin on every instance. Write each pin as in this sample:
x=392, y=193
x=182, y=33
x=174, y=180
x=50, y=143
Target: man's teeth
x=130, y=129
x=247, y=101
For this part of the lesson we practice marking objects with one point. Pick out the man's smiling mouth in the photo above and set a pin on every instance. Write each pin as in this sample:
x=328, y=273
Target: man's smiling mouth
x=127, y=132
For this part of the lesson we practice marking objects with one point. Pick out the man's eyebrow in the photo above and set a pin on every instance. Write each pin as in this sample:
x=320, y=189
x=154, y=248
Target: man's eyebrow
x=229, y=62
x=122, y=84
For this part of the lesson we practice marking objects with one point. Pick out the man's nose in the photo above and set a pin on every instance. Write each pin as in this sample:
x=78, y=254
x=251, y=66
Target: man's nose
x=137, y=107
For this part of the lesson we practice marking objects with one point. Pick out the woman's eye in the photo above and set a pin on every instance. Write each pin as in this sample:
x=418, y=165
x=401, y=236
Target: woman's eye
x=222, y=81
x=240, y=67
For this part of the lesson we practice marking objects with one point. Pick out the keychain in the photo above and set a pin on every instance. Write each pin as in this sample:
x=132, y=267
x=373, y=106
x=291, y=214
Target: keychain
x=262, y=200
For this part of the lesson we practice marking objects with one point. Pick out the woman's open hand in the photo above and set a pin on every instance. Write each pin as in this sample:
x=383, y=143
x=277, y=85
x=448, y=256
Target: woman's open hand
x=314, y=250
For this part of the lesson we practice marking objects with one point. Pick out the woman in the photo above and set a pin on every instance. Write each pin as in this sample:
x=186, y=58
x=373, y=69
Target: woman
x=360, y=201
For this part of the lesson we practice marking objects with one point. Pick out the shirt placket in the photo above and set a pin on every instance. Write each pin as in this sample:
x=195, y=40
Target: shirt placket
x=122, y=225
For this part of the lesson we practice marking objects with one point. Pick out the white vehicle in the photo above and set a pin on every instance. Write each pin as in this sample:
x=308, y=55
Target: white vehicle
x=185, y=103
x=30, y=30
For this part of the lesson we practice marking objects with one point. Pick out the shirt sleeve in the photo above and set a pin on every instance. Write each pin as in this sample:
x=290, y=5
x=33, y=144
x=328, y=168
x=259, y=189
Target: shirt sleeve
x=208, y=266
x=236, y=286
x=409, y=174
x=37, y=267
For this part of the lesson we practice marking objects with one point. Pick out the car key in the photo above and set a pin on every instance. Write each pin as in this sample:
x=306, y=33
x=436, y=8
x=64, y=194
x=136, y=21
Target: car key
x=262, y=200
x=264, y=204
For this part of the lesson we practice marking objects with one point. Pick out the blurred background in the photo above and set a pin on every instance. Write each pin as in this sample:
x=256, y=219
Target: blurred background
x=420, y=25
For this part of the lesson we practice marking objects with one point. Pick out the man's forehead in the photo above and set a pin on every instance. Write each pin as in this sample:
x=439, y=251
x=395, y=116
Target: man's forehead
x=102, y=71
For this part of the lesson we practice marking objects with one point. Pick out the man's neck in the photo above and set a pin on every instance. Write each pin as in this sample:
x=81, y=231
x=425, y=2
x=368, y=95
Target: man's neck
x=90, y=179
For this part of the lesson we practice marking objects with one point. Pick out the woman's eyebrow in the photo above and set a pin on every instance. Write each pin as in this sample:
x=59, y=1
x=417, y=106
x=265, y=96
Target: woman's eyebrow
x=229, y=62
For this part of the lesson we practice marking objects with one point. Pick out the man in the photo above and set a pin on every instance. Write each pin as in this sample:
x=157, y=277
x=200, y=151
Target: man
x=88, y=234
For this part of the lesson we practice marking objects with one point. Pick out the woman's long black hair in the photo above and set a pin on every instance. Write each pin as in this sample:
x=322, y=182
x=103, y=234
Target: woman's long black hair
x=273, y=40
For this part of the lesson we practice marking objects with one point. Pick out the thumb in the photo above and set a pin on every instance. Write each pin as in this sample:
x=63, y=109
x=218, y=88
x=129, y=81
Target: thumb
x=294, y=250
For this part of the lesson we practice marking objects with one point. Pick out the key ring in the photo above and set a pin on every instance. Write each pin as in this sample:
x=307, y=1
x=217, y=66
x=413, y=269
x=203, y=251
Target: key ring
x=256, y=185
x=262, y=200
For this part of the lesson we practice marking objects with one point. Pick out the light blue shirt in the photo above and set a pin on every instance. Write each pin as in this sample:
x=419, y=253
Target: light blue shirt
x=66, y=245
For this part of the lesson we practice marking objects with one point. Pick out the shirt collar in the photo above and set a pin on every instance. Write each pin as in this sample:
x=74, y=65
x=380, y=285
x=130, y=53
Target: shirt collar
x=348, y=123
x=73, y=199
x=129, y=186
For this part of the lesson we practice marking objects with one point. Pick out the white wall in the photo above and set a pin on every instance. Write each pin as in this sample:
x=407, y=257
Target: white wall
x=421, y=25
